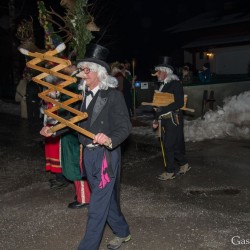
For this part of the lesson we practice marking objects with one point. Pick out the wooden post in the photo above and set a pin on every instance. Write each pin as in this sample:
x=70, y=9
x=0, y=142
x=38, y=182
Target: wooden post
x=133, y=84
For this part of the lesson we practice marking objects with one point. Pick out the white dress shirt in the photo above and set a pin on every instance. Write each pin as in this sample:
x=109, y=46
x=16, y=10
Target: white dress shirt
x=89, y=97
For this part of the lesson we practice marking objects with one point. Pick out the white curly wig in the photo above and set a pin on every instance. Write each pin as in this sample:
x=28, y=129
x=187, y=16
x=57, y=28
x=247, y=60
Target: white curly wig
x=106, y=80
x=170, y=74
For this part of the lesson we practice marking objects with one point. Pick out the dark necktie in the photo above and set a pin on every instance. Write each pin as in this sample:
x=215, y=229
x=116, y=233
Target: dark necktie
x=89, y=92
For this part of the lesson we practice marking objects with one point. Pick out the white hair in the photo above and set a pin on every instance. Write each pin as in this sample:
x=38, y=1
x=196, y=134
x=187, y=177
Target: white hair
x=170, y=74
x=106, y=80
x=81, y=85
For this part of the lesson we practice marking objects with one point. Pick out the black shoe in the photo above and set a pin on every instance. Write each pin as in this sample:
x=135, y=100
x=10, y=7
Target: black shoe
x=52, y=181
x=58, y=185
x=76, y=205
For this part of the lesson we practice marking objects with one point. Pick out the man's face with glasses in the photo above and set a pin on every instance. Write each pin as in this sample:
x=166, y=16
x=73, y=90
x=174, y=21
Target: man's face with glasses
x=90, y=77
x=83, y=72
x=86, y=70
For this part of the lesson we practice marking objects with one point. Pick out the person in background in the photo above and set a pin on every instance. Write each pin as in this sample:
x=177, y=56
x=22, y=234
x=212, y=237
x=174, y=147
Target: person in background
x=73, y=169
x=205, y=73
x=116, y=71
x=33, y=102
x=131, y=78
x=21, y=93
x=52, y=144
x=124, y=83
x=127, y=72
x=62, y=152
x=71, y=152
x=171, y=119
x=109, y=121
x=127, y=88
x=187, y=75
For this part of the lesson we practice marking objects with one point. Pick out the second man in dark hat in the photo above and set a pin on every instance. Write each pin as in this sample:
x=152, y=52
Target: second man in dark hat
x=171, y=119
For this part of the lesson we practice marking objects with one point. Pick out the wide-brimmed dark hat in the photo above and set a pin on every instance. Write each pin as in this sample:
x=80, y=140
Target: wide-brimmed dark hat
x=96, y=53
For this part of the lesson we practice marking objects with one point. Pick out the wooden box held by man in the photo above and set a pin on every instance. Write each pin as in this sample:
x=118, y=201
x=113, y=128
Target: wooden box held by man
x=168, y=103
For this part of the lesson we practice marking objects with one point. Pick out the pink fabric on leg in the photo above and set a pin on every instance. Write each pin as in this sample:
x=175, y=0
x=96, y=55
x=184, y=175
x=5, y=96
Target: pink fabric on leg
x=104, y=175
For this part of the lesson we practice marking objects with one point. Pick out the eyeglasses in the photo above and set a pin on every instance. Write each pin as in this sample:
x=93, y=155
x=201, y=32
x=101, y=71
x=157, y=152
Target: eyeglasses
x=85, y=70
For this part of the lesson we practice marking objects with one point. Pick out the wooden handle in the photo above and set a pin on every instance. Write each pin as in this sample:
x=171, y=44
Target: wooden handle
x=188, y=109
x=161, y=105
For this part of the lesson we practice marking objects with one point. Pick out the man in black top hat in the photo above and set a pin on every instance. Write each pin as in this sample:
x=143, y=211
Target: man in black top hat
x=109, y=120
x=171, y=119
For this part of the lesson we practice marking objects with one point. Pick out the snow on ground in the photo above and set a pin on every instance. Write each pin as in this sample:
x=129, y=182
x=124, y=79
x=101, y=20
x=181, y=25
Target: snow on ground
x=231, y=120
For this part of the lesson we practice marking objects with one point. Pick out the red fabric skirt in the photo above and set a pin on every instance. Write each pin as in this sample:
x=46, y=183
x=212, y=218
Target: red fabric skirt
x=52, y=154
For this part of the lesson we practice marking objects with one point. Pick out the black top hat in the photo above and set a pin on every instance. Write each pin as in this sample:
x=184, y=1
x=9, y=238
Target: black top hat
x=164, y=61
x=97, y=54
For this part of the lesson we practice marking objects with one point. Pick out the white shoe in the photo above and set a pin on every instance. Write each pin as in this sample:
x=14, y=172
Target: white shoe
x=166, y=176
x=184, y=169
x=117, y=242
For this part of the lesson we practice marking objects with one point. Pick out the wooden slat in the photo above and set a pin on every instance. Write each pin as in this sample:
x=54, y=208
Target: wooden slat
x=70, y=124
x=56, y=87
x=49, y=53
x=68, y=80
x=50, y=72
x=161, y=99
x=61, y=105
x=56, y=68
x=68, y=102
x=57, y=127
x=50, y=58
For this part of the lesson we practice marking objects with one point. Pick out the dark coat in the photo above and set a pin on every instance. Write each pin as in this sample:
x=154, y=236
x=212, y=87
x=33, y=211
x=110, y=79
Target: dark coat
x=175, y=88
x=109, y=116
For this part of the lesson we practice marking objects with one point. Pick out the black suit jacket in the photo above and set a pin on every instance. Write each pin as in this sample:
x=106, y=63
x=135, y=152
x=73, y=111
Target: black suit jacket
x=109, y=116
x=175, y=88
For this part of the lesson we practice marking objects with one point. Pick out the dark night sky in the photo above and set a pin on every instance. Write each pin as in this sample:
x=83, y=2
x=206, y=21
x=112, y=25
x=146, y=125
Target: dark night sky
x=137, y=26
x=133, y=27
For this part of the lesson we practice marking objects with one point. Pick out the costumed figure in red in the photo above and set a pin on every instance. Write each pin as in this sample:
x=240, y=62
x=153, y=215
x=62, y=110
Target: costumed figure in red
x=52, y=144
x=71, y=153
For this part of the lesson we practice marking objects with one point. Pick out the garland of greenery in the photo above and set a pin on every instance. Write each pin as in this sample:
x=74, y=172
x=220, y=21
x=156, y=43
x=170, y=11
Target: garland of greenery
x=81, y=35
x=75, y=22
x=51, y=38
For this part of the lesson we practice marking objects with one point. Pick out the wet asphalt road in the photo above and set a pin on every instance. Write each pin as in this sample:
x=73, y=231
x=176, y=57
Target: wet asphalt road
x=204, y=209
